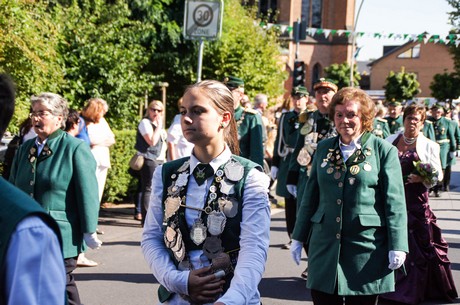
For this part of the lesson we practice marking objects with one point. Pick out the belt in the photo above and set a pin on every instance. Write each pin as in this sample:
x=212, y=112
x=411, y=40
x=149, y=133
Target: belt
x=443, y=141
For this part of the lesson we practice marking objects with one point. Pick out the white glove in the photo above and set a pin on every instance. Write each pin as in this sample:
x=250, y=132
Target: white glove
x=274, y=172
x=396, y=259
x=292, y=189
x=296, y=250
x=452, y=154
x=92, y=241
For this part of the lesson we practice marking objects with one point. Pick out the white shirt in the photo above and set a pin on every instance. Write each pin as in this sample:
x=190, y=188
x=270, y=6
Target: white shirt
x=101, y=138
x=254, y=238
x=175, y=136
x=145, y=128
x=348, y=150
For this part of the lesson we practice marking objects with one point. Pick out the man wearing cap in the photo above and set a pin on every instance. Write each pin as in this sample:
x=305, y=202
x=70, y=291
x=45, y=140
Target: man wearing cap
x=394, y=118
x=250, y=127
x=286, y=138
x=444, y=137
x=316, y=126
x=452, y=160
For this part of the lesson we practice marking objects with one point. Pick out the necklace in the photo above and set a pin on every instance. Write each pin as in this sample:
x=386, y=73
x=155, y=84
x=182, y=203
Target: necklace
x=409, y=141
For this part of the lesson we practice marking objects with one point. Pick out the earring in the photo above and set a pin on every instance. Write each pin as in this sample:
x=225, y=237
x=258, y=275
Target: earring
x=222, y=125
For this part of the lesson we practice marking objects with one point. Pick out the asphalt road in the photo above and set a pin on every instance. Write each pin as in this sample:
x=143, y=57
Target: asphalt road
x=123, y=277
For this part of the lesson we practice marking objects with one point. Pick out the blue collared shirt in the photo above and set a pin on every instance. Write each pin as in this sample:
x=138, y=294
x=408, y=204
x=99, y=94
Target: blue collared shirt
x=35, y=271
x=254, y=238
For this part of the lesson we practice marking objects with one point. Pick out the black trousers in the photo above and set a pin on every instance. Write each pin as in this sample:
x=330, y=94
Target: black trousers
x=71, y=287
x=322, y=298
x=446, y=181
x=146, y=185
x=290, y=209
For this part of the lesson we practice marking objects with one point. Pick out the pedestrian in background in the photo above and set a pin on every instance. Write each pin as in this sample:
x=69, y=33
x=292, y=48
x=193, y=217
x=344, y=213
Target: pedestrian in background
x=178, y=146
x=428, y=270
x=151, y=143
x=207, y=231
x=352, y=215
x=101, y=138
x=58, y=171
x=286, y=139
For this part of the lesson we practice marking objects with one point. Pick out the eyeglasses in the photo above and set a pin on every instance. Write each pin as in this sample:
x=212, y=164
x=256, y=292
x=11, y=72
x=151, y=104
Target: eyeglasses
x=349, y=115
x=39, y=114
x=156, y=110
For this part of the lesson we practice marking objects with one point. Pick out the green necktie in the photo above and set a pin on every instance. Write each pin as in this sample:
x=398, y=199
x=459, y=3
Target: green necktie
x=202, y=172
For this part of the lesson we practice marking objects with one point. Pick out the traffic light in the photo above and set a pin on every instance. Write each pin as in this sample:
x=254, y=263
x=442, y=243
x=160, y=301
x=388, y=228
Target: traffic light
x=298, y=73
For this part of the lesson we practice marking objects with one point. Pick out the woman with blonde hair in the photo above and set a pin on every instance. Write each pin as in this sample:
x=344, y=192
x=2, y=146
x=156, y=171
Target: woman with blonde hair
x=150, y=142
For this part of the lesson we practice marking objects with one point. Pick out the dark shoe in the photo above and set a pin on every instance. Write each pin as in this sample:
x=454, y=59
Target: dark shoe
x=99, y=231
x=436, y=194
x=304, y=274
x=286, y=246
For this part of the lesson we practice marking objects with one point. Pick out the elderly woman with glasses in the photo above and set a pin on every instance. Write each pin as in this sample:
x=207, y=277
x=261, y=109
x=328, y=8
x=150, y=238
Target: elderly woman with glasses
x=58, y=171
x=150, y=142
x=352, y=215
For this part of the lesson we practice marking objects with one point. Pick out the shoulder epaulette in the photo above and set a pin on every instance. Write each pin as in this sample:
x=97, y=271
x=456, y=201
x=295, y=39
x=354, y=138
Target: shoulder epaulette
x=382, y=120
x=428, y=122
x=250, y=110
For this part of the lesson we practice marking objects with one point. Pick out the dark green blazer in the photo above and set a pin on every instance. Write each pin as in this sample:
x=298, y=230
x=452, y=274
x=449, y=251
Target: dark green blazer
x=63, y=180
x=250, y=134
x=351, y=217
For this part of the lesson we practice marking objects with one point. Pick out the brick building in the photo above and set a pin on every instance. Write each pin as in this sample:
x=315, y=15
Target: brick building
x=317, y=52
x=425, y=60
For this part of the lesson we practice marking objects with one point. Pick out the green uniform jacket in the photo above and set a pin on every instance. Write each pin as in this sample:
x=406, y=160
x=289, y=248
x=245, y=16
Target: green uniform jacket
x=298, y=175
x=381, y=129
x=351, y=216
x=456, y=129
x=445, y=137
x=250, y=134
x=63, y=180
x=395, y=124
x=286, y=139
x=428, y=130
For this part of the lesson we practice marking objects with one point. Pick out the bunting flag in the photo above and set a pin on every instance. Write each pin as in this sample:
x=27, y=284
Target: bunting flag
x=451, y=39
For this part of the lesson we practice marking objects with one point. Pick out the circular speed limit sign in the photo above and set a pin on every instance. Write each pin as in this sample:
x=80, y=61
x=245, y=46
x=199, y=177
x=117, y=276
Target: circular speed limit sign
x=202, y=15
x=203, y=19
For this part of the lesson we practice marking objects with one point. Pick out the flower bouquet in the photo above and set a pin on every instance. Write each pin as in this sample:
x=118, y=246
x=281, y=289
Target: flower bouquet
x=428, y=173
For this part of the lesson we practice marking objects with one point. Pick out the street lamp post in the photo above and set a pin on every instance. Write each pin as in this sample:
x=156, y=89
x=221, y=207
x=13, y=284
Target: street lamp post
x=353, y=42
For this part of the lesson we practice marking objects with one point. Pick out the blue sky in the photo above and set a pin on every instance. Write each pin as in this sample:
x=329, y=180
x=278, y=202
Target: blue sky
x=398, y=16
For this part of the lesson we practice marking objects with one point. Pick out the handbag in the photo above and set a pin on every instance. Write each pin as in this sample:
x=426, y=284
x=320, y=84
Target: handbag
x=136, y=162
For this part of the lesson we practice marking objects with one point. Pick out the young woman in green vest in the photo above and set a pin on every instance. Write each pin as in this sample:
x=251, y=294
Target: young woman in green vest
x=352, y=216
x=207, y=229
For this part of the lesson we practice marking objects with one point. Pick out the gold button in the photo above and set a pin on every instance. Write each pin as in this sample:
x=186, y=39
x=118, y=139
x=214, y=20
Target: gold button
x=339, y=201
x=340, y=184
x=337, y=219
x=337, y=236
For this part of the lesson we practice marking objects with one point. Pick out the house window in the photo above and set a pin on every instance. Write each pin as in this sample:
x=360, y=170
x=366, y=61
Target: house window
x=315, y=74
x=413, y=52
x=311, y=12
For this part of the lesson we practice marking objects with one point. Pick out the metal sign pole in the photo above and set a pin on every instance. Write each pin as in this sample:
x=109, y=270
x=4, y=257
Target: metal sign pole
x=200, y=59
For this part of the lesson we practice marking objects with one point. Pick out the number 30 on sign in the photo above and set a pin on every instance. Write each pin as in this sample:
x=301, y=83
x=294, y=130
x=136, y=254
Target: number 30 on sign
x=203, y=19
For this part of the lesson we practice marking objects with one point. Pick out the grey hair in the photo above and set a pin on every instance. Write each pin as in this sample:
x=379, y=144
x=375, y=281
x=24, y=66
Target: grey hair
x=260, y=98
x=55, y=103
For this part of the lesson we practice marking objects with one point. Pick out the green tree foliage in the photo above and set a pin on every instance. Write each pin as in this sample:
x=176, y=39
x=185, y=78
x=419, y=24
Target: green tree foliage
x=454, y=18
x=401, y=86
x=340, y=73
x=445, y=86
x=105, y=54
x=28, y=44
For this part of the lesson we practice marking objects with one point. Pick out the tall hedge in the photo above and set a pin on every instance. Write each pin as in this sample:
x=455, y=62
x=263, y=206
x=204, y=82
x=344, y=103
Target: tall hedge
x=120, y=185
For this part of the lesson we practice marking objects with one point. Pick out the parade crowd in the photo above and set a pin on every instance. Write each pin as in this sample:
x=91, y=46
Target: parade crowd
x=354, y=174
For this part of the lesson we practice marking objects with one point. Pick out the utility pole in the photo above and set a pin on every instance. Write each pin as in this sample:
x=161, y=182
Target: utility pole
x=353, y=42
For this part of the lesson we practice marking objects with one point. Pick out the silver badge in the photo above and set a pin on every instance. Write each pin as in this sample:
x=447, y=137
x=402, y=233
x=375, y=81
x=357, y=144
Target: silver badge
x=227, y=187
x=212, y=247
x=303, y=158
x=172, y=204
x=216, y=223
x=170, y=237
x=182, y=179
x=367, y=167
x=198, y=232
x=228, y=206
x=234, y=171
x=184, y=166
x=351, y=180
x=323, y=164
